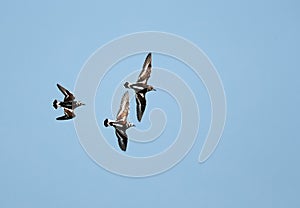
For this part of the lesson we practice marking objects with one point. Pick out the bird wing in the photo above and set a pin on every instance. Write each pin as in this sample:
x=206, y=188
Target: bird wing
x=68, y=95
x=146, y=71
x=122, y=139
x=140, y=104
x=124, y=108
x=69, y=114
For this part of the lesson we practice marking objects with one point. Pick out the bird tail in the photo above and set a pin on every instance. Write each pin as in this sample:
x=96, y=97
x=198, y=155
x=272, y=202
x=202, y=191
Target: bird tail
x=106, y=123
x=126, y=85
x=55, y=104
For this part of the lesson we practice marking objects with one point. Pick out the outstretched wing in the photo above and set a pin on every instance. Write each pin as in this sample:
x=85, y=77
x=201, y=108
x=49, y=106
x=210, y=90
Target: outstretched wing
x=124, y=108
x=69, y=114
x=68, y=95
x=122, y=139
x=146, y=71
x=140, y=104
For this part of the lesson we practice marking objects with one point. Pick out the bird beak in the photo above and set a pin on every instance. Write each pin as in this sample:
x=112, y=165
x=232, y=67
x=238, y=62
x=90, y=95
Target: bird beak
x=154, y=89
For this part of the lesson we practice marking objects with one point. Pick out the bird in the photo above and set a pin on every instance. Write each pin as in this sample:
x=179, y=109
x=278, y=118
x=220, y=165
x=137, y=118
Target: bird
x=141, y=87
x=69, y=104
x=121, y=124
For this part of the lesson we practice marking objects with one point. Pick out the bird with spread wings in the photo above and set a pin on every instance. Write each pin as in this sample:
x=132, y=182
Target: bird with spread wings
x=121, y=124
x=68, y=104
x=141, y=87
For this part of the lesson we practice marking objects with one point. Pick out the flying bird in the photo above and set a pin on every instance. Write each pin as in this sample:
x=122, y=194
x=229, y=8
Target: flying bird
x=121, y=124
x=69, y=104
x=141, y=87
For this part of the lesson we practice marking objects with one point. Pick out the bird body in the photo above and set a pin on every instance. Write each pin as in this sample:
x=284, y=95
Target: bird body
x=121, y=124
x=68, y=104
x=141, y=87
x=138, y=87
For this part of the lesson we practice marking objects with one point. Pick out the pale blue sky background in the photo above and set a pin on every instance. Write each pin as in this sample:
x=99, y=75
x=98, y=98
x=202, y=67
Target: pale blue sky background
x=254, y=46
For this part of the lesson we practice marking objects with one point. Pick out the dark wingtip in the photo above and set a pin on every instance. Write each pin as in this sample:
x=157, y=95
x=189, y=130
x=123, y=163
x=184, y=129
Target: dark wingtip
x=123, y=147
x=139, y=118
x=140, y=115
x=106, y=122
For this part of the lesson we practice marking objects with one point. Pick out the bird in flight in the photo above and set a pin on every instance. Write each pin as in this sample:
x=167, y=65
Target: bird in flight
x=121, y=124
x=69, y=104
x=141, y=87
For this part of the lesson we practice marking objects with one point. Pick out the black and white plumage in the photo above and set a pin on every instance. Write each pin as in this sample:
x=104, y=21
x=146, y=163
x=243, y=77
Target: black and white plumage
x=141, y=87
x=69, y=104
x=69, y=114
x=121, y=124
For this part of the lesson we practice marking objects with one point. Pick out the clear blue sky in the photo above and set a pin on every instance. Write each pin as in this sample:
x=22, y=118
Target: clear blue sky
x=254, y=45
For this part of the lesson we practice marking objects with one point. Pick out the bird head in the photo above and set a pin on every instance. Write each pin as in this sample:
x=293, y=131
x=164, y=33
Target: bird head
x=150, y=88
x=79, y=103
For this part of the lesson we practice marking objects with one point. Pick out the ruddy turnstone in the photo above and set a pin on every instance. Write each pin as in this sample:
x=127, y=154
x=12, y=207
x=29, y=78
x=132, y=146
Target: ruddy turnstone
x=141, y=87
x=69, y=104
x=121, y=124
